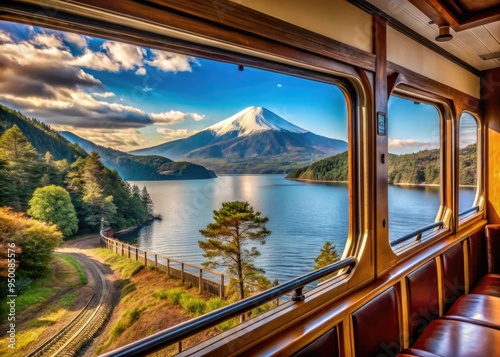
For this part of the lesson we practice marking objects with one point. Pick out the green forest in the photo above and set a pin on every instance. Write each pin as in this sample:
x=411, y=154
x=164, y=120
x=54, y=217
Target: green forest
x=422, y=167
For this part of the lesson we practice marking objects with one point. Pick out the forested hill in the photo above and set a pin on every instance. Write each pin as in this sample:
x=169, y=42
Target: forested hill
x=333, y=168
x=40, y=135
x=138, y=168
x=95, y=192
x=417, y=168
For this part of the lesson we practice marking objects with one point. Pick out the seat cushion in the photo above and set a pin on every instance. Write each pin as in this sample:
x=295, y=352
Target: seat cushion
x=478, y=309
x=488, y=285
x=415, y=352
x=451, y=338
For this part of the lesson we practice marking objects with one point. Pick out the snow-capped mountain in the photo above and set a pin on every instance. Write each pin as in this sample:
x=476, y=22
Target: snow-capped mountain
x=254, y=136
x=253, y=120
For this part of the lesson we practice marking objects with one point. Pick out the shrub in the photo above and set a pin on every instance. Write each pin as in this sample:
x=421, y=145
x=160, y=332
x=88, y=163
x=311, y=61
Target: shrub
x=175, y=295
x=133, y=315
x=194, y=306
x=215, y=303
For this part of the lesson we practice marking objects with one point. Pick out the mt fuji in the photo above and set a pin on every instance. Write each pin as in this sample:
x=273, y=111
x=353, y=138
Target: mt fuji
x=254, y=140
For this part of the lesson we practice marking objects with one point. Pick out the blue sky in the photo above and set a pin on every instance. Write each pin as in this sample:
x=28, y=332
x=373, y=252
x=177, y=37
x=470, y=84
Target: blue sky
x=129, y=97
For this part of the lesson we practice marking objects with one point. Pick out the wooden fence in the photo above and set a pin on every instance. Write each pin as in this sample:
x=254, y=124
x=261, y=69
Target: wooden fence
x=205, y=280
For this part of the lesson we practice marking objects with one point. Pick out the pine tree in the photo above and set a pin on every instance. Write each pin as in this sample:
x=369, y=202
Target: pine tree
x=147, y=202
x=236, y=225
x=327, y=255
x=23, y=165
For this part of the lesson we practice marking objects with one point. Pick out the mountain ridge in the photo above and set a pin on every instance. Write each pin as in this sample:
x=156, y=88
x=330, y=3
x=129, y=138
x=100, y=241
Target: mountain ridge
x=137, y=167
x=231, y=145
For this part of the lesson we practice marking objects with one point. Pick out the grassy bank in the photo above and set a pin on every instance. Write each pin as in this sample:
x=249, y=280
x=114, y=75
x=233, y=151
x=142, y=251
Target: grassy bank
x=150, y=301
x=45, y=305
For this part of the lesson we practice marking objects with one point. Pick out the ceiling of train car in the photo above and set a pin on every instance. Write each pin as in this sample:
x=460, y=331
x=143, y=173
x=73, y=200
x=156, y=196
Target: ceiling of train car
x=470, y=45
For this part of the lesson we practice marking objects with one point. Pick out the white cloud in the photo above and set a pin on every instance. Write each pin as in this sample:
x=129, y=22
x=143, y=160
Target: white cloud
x=399, y=143
x=171, y=62
x=169, y=118
x=279, y=85
x=174, y=117
x=127, y=56
x=50, y=41
x=119, y=139
x=5, y=37
x=174, y=134
x=147, y=89
x=141, y=71
x=78, y=40
x=103, y=95
x=198, y=117
x=95, y=60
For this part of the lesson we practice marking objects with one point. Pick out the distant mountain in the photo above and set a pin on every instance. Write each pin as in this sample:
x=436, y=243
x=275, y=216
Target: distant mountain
x=40, y=135
x=422, y=167
x=132, y=167
x=254, y=140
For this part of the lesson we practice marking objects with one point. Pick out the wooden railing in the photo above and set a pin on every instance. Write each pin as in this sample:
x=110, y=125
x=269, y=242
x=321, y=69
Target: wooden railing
x=205, y=280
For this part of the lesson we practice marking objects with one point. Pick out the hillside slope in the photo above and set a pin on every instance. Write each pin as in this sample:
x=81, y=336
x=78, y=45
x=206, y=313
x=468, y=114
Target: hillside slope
x=138, y=168
x=41, y=136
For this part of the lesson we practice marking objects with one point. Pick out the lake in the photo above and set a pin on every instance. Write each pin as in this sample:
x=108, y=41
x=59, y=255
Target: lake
x=302, y=216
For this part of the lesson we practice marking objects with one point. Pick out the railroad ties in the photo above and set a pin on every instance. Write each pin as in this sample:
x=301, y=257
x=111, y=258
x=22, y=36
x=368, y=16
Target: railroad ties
x=69, y=340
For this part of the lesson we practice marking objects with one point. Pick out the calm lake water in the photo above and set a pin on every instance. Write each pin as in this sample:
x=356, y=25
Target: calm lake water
x=302, y=217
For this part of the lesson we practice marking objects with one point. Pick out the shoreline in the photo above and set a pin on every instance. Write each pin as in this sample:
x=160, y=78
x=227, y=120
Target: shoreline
x=316, y=181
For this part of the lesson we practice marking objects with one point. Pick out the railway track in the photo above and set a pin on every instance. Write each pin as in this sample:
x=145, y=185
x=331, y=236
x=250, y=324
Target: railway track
x=69, y=340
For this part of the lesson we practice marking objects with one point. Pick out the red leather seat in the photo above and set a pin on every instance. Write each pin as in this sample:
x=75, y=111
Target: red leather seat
x=488, y=285
x=450, y=338
x=478, y=309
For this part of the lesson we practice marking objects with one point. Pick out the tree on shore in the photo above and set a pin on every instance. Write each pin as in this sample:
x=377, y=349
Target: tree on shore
x=236, y=226
x=53, y=204
x=327, y=255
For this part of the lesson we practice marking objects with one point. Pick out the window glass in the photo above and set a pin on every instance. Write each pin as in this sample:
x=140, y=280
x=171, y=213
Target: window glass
x=467, y=167
x=169, y=145
x=414, y=166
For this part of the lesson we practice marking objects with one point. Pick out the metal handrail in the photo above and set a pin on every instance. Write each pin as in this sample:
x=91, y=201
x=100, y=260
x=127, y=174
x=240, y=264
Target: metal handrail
x=469, y=210
x=417, y=233
x=189, y=328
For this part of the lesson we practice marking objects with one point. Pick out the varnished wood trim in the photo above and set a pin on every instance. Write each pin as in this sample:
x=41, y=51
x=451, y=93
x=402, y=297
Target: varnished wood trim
x=405, y=30
x=430, y=87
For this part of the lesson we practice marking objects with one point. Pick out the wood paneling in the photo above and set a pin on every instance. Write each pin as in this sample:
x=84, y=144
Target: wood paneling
x=490, y=95
x=460, y=14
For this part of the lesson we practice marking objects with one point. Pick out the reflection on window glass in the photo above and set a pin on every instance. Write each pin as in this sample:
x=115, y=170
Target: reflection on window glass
x=414, y=166
x=467, y=167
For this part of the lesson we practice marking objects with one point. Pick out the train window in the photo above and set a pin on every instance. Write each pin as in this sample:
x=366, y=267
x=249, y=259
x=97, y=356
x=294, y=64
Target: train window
x=260, y=157
x=414, y=196
x=468, y=165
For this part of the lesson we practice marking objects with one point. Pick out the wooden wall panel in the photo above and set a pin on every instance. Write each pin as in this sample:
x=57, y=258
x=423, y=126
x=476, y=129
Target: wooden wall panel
x=490, y=94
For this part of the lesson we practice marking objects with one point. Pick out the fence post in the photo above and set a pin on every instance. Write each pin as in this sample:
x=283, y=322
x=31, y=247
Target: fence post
x=222, y=286
x=156, y=261
x=145, y=258
x=182, y=272
x=122, y=249
x=136, y=254
x=201, y=280
x=128, y=255
x=168, y=267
